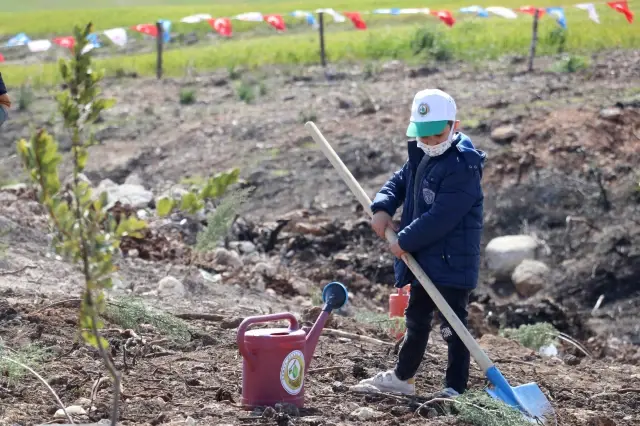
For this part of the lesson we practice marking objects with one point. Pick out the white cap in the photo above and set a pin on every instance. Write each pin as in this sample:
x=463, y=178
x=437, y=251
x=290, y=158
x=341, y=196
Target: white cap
x=432, y=109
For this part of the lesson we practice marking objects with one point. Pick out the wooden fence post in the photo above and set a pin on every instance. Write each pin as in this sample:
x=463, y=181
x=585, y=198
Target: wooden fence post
x=159, y=43
x=323, y=57
x=534, y=40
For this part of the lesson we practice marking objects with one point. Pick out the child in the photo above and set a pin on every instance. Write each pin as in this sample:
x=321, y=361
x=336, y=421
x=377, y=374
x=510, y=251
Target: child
x=5, y=103
x=441, y=227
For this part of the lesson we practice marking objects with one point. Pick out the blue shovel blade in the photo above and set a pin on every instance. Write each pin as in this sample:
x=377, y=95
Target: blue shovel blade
x=527, y=398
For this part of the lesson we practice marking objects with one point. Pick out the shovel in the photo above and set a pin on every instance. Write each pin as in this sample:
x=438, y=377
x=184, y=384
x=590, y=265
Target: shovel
x=528, y=398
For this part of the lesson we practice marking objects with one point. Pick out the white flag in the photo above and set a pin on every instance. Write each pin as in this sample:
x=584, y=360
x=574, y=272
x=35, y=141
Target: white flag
x=335, y=15
x=39, y=45
x=410, y=11
x=589, y=7
x=117, y=36
x=194, y=19
x=250, y=17
x=502, y=11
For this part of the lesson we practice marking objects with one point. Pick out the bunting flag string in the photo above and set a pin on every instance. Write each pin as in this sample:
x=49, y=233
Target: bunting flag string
x=308, y=16
x=223, y=25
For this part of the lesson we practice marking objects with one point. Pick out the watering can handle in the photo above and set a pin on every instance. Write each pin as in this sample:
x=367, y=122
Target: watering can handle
x=244, y=325
x=474, y=348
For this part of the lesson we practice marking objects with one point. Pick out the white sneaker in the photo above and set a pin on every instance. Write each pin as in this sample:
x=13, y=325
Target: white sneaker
x=388, y=382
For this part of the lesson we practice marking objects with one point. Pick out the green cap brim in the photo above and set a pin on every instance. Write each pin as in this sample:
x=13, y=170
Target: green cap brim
x=425, y=128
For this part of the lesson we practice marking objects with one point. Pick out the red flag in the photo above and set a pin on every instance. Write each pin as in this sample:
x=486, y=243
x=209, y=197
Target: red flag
x=445, y=16
x=148, y=29
x=1, y=57
x=532, y=10
x=67, y=42
x=356, y=19
x=276, y=21
x=221, y=25
x=622, y=7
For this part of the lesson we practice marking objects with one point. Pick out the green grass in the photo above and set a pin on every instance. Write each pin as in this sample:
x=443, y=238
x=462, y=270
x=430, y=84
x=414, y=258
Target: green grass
x=389, y=37
x=32, y=355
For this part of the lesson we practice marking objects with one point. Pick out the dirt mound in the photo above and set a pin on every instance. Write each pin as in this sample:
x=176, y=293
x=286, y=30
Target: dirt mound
x=597, y=144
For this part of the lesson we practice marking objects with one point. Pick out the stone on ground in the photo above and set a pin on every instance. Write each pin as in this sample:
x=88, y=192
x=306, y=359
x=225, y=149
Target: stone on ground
x=504, y=254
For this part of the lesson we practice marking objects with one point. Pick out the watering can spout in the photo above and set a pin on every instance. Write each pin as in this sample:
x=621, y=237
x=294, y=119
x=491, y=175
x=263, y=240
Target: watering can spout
x=334, y=296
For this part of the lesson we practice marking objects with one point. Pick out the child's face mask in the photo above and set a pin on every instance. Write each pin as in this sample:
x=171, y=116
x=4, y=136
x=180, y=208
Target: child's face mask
x=435, y=150
x=439, y=149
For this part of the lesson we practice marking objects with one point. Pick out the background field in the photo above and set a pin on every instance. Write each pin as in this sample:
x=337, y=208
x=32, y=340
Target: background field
x=255, y=44
x=38, y=17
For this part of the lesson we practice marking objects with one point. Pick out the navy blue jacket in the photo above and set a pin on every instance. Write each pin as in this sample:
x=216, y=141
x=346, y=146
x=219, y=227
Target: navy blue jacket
x=441, y=223
x=3, y=88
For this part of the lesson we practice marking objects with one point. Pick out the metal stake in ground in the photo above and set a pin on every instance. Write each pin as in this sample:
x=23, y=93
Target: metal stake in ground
x=159, y=42
x=534, y=39
x=323, y=58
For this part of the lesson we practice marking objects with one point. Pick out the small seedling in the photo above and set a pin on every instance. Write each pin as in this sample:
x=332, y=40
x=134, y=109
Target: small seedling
x=262, y=88
x=25, y=97
x=187, y=96
x=234, y=72
x=479, y=409
x=193, y=201
x=571, y=64
x=131, y=312
x=84, y=231
x=246, y=92
x=532, y=336
x=220, y=220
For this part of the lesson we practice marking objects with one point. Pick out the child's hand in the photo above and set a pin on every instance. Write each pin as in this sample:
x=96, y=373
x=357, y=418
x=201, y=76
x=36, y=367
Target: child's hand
x=380, y=221
x=397, y=250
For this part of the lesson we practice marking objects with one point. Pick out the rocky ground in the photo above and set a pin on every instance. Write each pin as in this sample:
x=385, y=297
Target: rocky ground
x=562, y=173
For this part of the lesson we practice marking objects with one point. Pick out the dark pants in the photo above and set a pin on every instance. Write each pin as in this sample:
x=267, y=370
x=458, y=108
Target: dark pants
x=418, y=317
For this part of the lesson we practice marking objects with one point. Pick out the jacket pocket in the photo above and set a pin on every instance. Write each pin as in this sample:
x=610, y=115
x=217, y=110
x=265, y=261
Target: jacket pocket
x=455, y=262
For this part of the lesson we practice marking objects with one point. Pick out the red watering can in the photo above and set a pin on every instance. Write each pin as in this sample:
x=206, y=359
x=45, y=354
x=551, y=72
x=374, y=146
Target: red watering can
x=275, y=360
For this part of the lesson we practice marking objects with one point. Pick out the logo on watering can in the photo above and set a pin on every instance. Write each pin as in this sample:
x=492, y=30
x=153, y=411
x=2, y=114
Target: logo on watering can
x=292, y=372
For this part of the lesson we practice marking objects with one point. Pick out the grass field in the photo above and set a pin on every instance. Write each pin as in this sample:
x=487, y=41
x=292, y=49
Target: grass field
x=389, y=37
x=45, y=17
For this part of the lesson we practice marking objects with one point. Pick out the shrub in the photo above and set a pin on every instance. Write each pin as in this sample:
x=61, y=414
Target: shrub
x=187, y=96
x=430, y=44
x=570, y=64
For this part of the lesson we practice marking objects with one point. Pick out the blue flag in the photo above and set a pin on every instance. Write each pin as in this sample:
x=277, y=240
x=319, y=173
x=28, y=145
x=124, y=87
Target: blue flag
x=475, y=9
x=93, y=39
x=166, y=30
x=308, y=16
x=558, y=12
x=18, y=40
